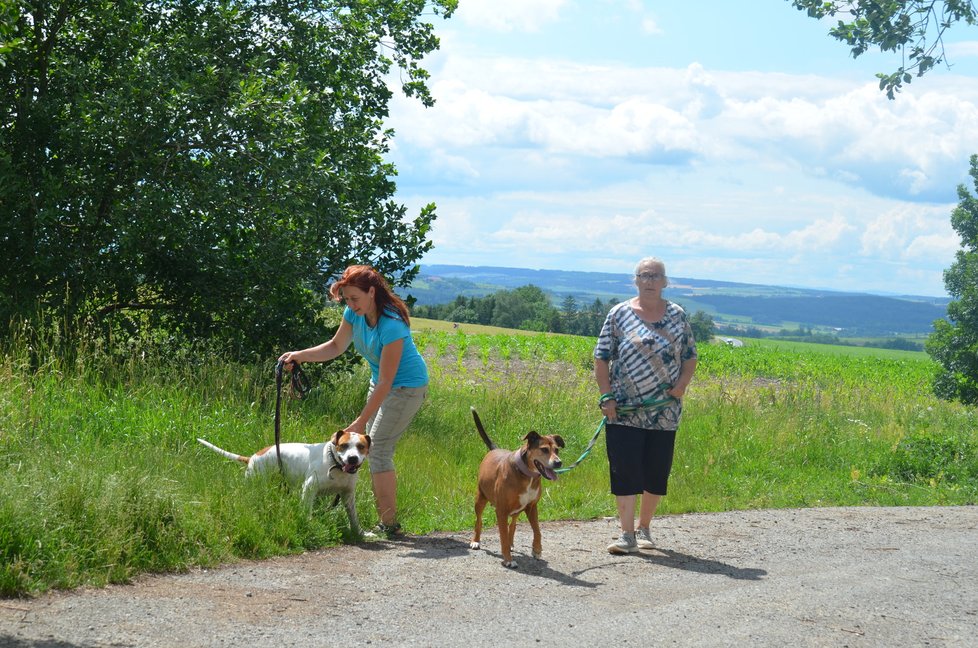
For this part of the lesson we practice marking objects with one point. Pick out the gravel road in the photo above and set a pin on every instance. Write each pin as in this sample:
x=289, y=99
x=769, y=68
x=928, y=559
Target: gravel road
x=858, y=576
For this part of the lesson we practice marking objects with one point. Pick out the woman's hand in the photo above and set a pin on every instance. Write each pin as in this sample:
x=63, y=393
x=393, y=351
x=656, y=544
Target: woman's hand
x=357, y=427
x=677, y=391
x=610, y=409
x=290, y=359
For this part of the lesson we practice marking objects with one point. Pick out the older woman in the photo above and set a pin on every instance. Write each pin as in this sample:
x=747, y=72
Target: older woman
x=644, y=360
x=377, y=322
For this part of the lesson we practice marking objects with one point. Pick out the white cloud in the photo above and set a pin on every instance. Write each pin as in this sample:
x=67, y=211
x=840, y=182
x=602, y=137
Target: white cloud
x=650, y=26
x=456, y=227
x=554, y=230
x=930, y=246
x=707, y=100
x=961, y=50
x=633, y=127
x=468, y=117
x=509, y=15
x=911, y=232
x=820, y=235
x=916, y=148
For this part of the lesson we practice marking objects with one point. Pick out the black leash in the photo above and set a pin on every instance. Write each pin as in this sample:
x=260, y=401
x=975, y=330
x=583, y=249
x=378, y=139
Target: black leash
x=299, y=386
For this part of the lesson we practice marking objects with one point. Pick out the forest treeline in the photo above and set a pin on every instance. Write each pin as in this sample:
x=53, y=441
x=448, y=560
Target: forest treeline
x=525, y=308
x=529, y=308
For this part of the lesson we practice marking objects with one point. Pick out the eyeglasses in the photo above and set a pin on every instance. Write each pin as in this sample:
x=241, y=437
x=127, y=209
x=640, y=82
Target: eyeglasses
x=649, y=276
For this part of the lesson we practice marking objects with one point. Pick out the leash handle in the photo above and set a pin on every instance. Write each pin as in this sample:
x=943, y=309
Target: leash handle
x=278, y=413
x=646, y=404
x=299, y=386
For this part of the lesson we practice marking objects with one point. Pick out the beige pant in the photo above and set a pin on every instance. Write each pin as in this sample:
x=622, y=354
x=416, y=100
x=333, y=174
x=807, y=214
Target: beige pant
x=389, y=423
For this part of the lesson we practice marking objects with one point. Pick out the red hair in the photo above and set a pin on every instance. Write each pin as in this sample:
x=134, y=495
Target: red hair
x=365, y=277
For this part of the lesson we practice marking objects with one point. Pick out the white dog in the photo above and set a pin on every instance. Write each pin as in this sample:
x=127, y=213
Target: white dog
x=329, y=467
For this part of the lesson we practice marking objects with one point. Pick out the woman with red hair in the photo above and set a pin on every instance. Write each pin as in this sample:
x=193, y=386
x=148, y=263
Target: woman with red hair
x=377, y=322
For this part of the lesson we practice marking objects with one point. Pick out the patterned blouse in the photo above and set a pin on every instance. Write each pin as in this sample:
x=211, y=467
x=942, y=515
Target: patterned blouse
x=646, y=359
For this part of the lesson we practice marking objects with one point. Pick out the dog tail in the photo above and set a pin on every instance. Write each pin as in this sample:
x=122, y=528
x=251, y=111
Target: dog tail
x=482, y=430
x=223, y=453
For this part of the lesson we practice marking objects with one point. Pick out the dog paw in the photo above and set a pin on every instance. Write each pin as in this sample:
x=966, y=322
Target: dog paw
x=538, y=554
x=510, y=564
x=475, y=545
x=369, y=535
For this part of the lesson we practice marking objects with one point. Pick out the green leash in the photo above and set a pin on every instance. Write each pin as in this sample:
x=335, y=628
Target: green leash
x=646, y=404
x=624, y=409
x=587, y=450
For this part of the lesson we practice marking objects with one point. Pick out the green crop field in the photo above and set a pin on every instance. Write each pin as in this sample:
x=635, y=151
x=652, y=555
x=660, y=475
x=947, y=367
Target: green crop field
x=101, y=477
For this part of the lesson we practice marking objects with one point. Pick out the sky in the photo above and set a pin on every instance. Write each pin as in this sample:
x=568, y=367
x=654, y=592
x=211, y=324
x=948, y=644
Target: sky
x=736, y=141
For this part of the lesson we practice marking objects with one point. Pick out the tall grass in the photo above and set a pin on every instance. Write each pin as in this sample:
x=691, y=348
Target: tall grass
x=101, y=477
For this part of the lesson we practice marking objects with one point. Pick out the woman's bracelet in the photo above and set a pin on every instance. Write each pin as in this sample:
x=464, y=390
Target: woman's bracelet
x=605, y=398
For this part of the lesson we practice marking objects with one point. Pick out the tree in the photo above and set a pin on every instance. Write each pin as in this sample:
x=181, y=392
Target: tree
x=954, y=342
x=703, y=326
x=526, y=307
x=915, y=28
x=462, y=311
x=201, y=167
x=8, y=29
x=568, y=306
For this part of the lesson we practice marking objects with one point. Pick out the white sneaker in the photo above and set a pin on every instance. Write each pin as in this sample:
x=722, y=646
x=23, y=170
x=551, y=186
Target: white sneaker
x=643, y=539
x=624, y=545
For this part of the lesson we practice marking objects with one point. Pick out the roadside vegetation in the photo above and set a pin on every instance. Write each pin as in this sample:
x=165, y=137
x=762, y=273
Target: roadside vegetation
x=101, y=477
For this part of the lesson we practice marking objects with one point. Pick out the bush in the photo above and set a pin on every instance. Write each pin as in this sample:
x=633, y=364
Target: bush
x=926, y=458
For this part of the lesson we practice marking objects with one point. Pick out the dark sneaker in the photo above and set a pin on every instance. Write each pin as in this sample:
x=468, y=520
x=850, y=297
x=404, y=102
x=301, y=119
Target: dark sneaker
x=390, y=531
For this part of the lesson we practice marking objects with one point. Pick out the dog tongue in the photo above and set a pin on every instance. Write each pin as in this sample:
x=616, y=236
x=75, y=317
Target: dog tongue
x=350, y=468
x=545, y=472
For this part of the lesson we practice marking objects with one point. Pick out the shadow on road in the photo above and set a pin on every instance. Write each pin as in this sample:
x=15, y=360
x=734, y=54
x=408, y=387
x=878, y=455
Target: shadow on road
x=433, y=548
x=427, y=548
x=677, y=560
x=15, y=642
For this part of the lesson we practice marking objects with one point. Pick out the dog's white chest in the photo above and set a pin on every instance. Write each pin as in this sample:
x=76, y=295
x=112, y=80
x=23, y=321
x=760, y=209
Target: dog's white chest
x=527, y=497
x=336, y=480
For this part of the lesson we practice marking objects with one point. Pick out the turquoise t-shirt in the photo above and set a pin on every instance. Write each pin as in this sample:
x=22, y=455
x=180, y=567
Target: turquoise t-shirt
x=370, y=341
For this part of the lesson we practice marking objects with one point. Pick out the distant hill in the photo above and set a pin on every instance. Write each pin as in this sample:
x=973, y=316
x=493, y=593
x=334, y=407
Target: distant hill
x=850, y=314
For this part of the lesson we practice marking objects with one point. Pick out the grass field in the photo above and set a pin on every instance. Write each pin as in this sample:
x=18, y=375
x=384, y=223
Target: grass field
x=857, y=351
x=441, y=326
x=101, y=478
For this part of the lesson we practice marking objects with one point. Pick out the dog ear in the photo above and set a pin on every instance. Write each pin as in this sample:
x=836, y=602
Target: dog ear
x=559, y=440
x=532, y=438
x=336, y=437
x=369, y=440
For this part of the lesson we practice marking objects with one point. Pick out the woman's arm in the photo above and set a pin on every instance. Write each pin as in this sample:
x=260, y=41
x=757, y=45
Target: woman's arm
x=390, y=360
x=685, y=376
x=325, y=351
x=602, y=375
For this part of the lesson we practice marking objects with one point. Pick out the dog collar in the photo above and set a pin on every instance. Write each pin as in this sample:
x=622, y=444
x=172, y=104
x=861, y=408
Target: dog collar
x=336, y=460
x=332, y=455
x=521, y=464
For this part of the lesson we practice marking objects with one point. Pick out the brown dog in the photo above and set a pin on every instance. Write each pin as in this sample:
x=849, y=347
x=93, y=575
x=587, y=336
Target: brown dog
x=510, y=481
